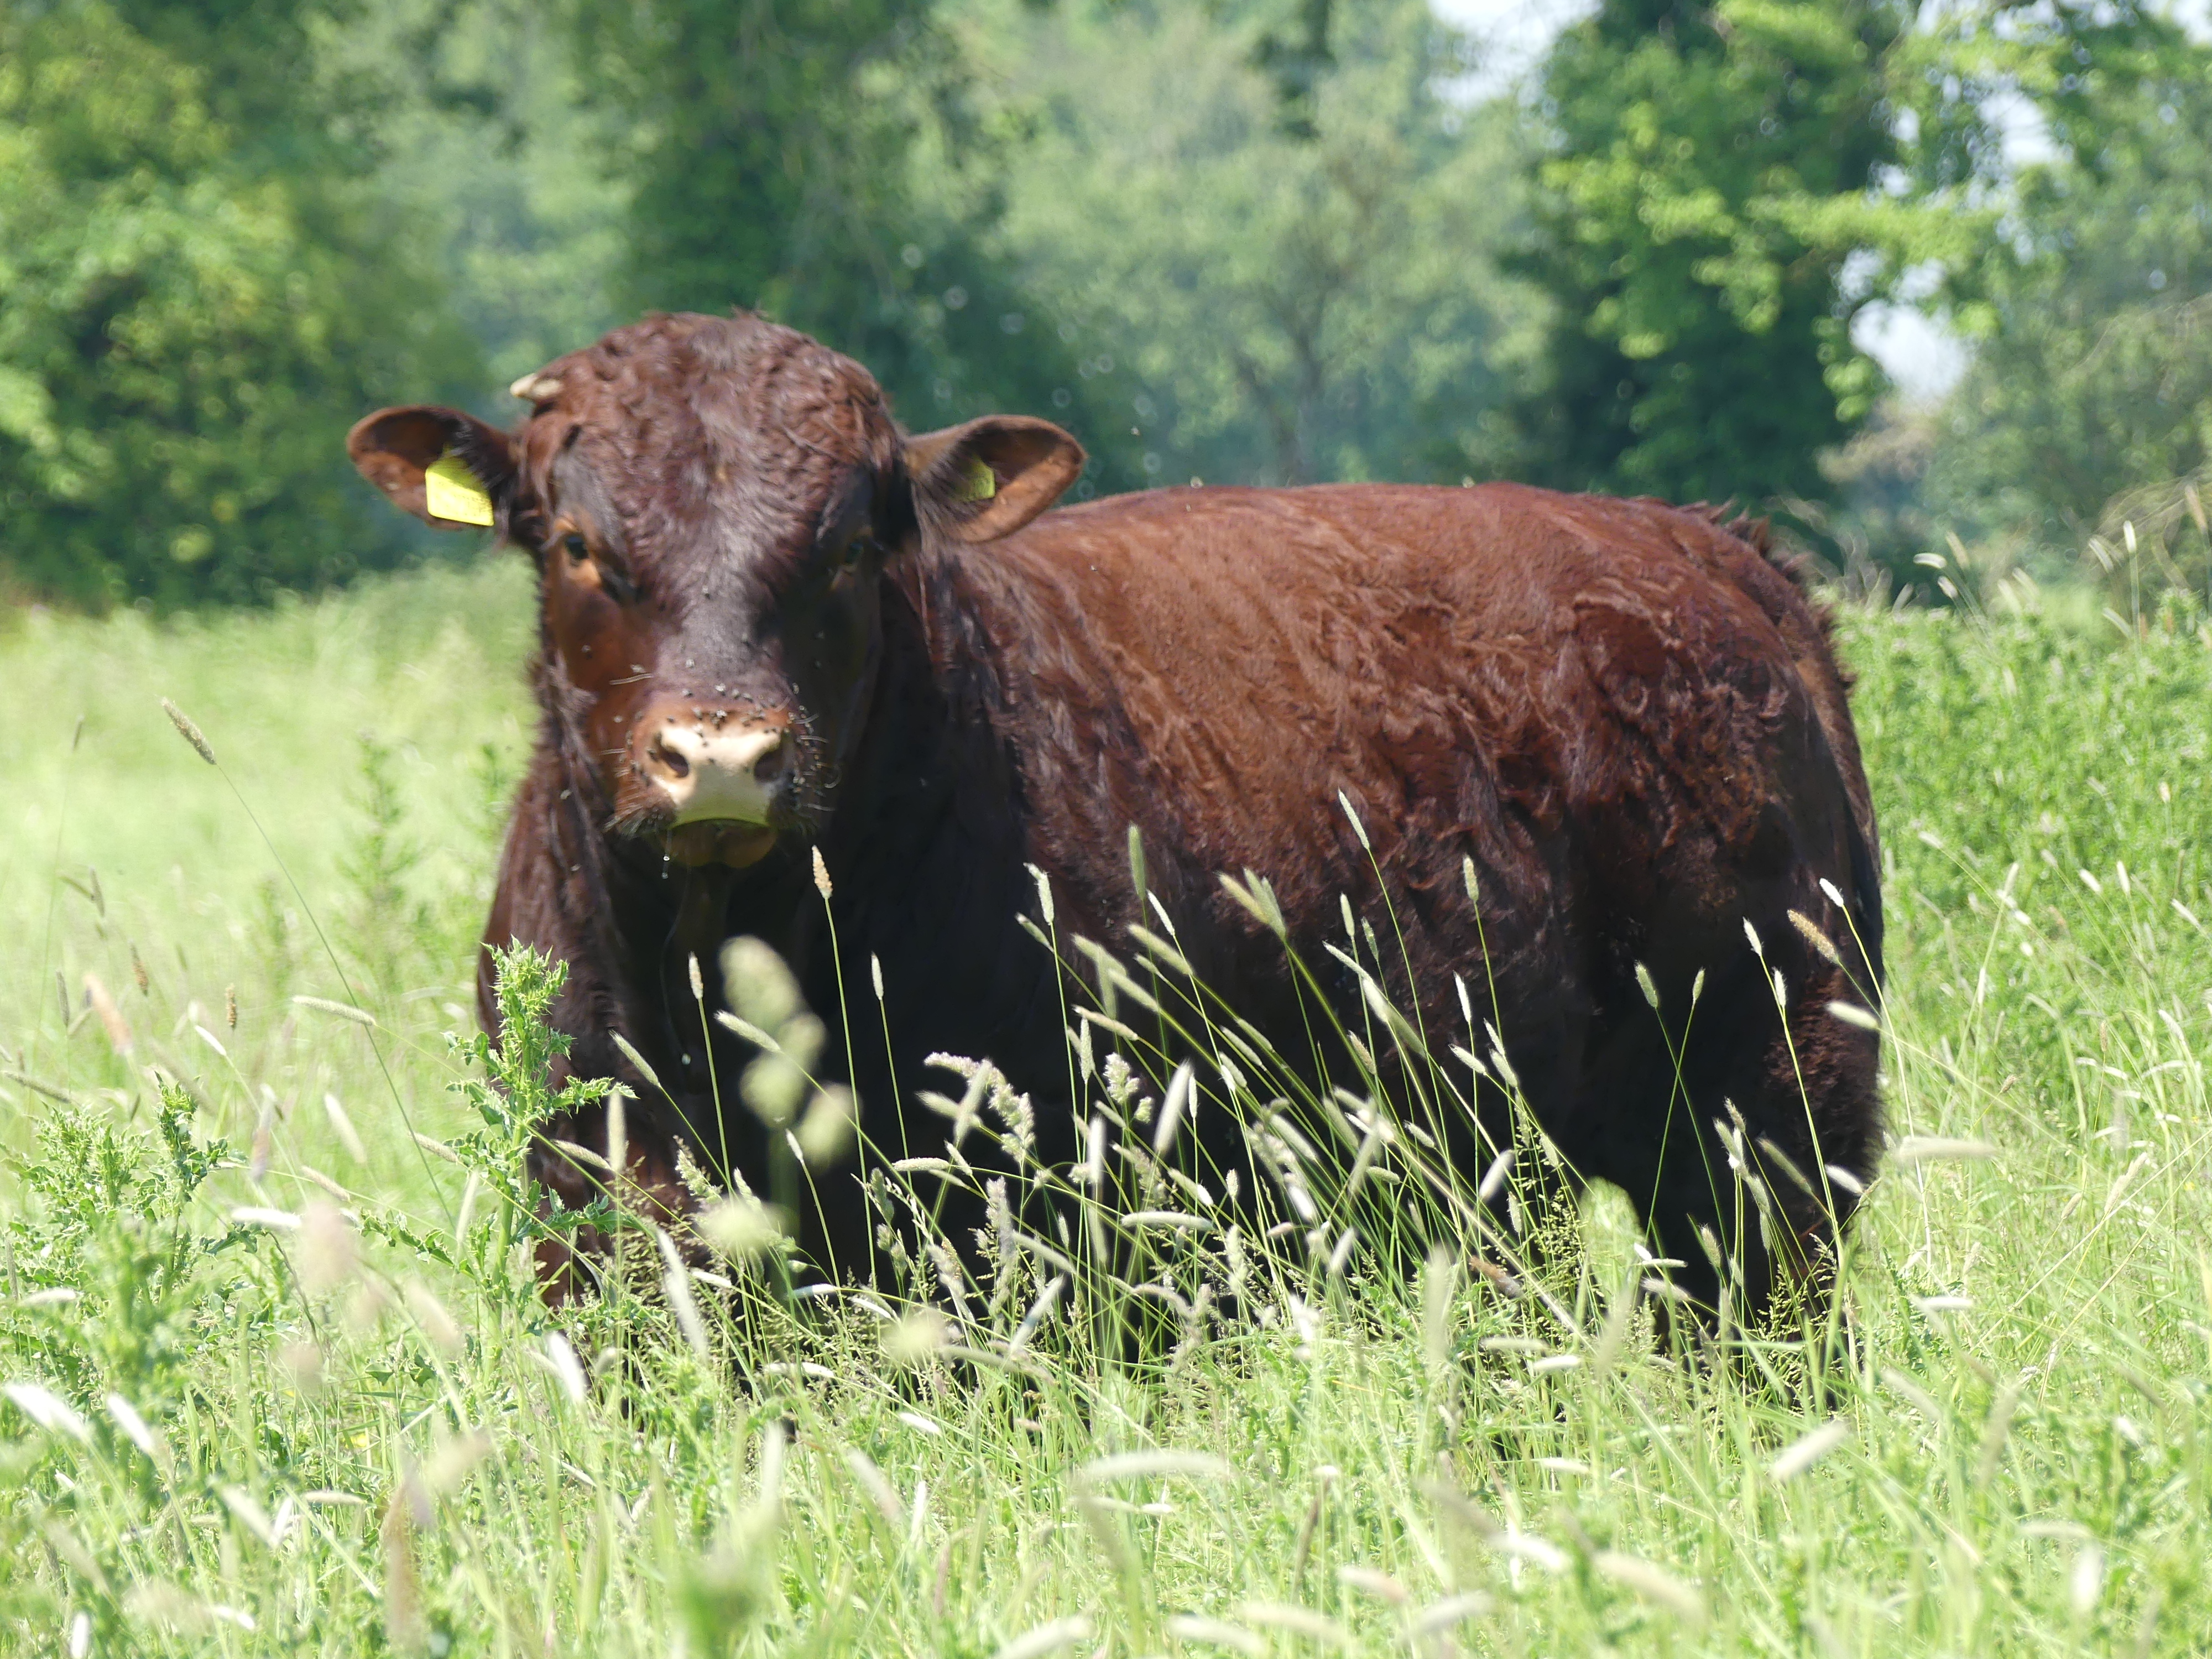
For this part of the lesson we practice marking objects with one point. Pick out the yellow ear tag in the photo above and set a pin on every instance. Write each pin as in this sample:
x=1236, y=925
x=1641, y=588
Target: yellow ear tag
x=451, y=491
x=977, y=483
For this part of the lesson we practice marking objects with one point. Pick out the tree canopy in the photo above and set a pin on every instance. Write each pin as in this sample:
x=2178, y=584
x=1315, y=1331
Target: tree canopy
x=2090, y=395
x=775, y=157
x=1294, y=288
x=201, y=289
x=1700, y=342
x=1250, y=240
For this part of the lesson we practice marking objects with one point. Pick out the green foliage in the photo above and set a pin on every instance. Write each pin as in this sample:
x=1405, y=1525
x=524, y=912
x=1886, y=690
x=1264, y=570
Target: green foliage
x=1284, y=300
x=110, y=1225
x=396, y=910
x=509, y=1087
x=2090, y=395
x=773, y=153
x=1707, y=176
x=202, y=294
x=483, y=143
x=1260, y=241
x=381, y=913
x=374, y=1439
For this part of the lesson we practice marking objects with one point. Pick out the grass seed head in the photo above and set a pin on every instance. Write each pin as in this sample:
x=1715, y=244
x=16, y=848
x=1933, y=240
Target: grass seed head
x=1374, y=1581
x=1995, y=1430
x=1214, y=1632
x=436, y=1324
x=342, y=1126
x=453, y=1461
x=915, y=1338
x=110, y=1017
x=1047, y=1639
x=404, y=1625
x=1932, y=1149
x=48, y=1410
x=637, y=1061
x=1644, y=983
x=877, y=1486
x=187, y=731
x=326, y=1258
x=303, y=1362
x=676, y=1286
x=772, y=1086
x=260, y=1215
x=1440, y=1616
x=617, y=1137
x=1172, y=1108
x=1808, y=1449
x=366, y=1306
x=341, y=1010
x=695, y=1181
x=760, y=989
x=163, y=1605
x=2086, y=1586
x=741, y=1229
x=1814, y=937
x=1297, y=1621
x=560, y=1355
x=139, y=1431
x=247, y=1508
x=1155, y=1463
x=1654, y=1584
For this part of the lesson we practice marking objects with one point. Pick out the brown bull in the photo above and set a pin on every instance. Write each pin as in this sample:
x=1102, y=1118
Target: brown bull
x=772, y=623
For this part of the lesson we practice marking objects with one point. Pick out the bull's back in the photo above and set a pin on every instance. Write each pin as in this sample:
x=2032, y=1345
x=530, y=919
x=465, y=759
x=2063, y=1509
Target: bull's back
x=1472, y=662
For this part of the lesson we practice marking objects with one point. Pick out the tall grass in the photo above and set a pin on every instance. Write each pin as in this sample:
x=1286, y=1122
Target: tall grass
x=280, y=1383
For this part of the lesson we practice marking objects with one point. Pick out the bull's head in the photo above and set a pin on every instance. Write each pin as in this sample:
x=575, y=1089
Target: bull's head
x=712, y=504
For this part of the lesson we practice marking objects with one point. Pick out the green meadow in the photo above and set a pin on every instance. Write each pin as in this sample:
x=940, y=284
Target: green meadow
x=276, y=1380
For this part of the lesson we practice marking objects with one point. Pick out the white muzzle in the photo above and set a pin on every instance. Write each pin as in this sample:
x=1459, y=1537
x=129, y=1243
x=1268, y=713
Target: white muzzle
x=710, y=775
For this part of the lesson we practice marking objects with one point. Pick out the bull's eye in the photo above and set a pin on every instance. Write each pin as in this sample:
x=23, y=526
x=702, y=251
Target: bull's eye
x=606, y=575
x=859, y=548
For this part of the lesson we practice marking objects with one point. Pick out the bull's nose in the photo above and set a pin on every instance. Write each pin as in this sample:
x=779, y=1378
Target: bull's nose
x=710, y=772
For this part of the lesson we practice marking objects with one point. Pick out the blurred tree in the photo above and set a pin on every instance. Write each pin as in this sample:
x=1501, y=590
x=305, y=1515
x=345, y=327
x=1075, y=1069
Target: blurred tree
x=2090, y=395
x=1708, y=175
x=773, y=147
x=1290, y=288
x=1294, y=52
x=473, y=109
x=202, y=294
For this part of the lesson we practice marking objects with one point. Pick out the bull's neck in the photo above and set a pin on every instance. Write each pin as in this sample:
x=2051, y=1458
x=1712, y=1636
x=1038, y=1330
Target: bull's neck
x=933, y=733
x=928, y=784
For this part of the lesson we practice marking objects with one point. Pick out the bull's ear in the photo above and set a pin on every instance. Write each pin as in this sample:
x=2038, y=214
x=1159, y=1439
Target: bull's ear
x=987, y=478
x=448, y=469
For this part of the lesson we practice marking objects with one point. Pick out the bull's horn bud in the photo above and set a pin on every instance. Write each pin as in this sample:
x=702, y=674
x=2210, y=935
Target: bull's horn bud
x=536, y=388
